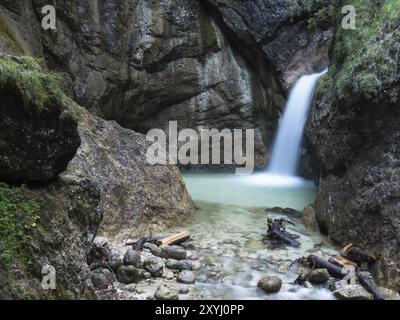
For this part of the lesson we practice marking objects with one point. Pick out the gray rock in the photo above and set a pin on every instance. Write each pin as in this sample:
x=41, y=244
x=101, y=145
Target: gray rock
x=173, y=252
x=129, y=274
x=147, y=275
x=155, y=266
x=133, y=258
x=184, y=290
x=165, y=292
x=318, y=276
x=102, y=278
x=154, y=249
x=179, y=264
x=270, y=284
x=115, y=263
x=186, y=277
x=353, y=292
x=193, y=255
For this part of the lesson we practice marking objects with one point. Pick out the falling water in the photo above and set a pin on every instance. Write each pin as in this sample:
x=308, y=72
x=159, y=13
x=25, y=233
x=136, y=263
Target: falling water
x=286, y=151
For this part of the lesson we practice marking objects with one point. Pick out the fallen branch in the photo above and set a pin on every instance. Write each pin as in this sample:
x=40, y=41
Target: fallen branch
x=174, y=239
x=277, y=232
x=333, y=269
x=357, y=255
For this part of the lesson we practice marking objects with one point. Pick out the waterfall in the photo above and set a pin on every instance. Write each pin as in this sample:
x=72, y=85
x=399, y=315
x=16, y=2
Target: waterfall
x=286, y=150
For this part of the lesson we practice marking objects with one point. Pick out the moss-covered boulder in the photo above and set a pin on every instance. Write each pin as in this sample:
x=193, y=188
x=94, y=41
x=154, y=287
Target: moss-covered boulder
x=38, y=134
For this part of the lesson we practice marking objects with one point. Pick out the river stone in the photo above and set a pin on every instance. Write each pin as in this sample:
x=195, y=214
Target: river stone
x=173, y=252
x=155, y=266
x=318, y=276
x=102, y=278
x=129, y=274
x=133, y=258
x=114, y=264
x=353, y=292
x=270, y=284
x=165, y=292
x=193, y=255
x=187, y=277
x=154, y=249
x=179, y=264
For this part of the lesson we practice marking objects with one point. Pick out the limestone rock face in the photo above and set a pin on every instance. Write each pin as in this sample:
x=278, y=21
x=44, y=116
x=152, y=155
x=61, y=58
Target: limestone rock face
x=278, y=35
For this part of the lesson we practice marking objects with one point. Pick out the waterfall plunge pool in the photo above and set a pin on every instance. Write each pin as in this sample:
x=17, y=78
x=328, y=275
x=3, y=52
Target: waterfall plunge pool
x=227, y=229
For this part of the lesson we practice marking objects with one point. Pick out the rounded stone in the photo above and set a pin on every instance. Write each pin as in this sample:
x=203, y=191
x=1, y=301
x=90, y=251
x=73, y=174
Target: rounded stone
x=173, y=252
x=186, y=277
x=270, y=284
x=318, y=276
x=129, y=274
x=179, y=264
x=133, y=258
x=155, y=266
x=165, y=292
x=102, y=278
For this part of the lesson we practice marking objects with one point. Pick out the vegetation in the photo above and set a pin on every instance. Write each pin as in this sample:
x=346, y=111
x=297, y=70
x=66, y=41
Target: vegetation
x=27, y=75
x=321, y=19
x=9, y=37
x=365, y=61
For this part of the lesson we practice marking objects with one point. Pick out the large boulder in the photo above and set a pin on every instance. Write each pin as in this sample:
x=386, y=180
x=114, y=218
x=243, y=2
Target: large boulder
x=135, y=196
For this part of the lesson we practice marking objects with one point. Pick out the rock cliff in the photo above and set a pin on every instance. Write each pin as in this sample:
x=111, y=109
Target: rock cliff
x=353, y=129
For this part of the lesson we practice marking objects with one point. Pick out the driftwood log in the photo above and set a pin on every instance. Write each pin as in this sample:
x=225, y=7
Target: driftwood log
x=174, y=239
x=277, y=232
x=333, y=269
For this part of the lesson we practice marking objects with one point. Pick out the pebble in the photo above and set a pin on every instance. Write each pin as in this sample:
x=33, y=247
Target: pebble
x=318, y=276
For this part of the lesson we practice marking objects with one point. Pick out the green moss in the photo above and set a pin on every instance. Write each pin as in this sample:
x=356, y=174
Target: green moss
x=208, y=33
x=19, y=215
x=27, y=75
x=320, y=19
x=365, y=60
x=9, y=37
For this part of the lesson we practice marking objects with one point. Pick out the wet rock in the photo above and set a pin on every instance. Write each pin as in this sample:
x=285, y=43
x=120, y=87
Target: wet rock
x=186, y=277
x=270, y=284
x=102, y=278
x=168, y=274
x=114, y=264
x=165, y=292
x=179, y=264
x=173, y=252
x=133, y=258
x=188, y=244
x=129, y=274
x=318, y=276
x=155, y=266
x=154, y=249
x=184, y=290
x=193, y=255
x=353, y=292
x=196, y=265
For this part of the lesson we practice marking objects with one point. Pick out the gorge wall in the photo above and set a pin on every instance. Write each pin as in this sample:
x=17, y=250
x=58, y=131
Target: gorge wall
x=354, y=131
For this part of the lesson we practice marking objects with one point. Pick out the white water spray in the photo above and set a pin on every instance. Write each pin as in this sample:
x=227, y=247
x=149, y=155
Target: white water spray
x=286, y=151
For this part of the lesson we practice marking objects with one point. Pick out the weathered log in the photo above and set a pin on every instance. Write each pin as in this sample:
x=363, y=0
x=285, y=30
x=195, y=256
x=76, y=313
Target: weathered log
x=333, y=269
x=343, y=262
x=366, y=280
x=285, y=237
x=277, y=232
x=174, y=239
